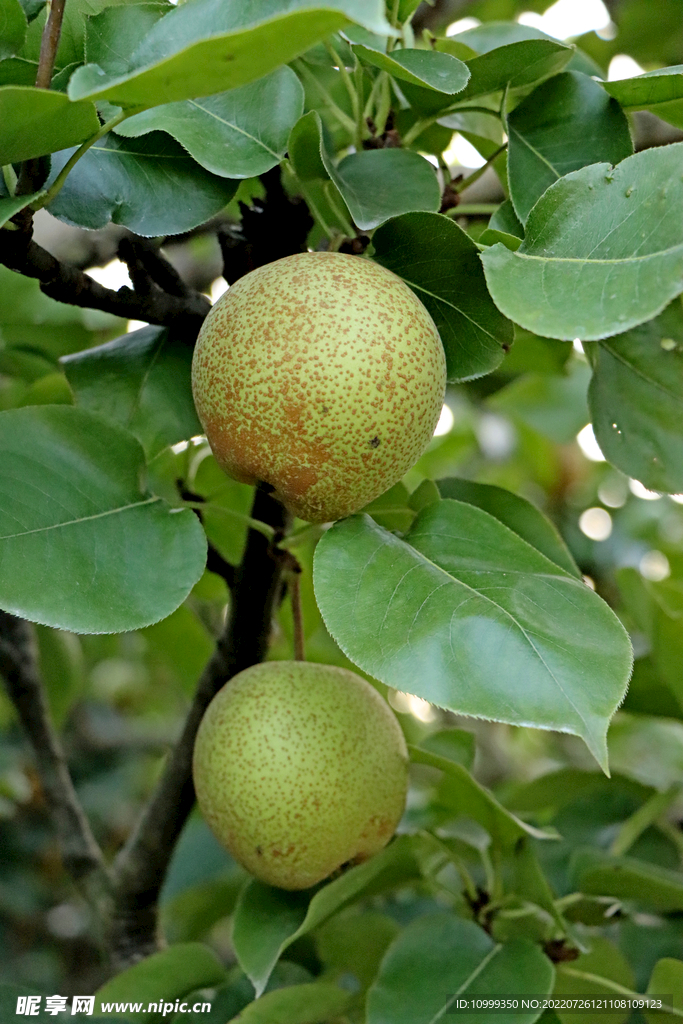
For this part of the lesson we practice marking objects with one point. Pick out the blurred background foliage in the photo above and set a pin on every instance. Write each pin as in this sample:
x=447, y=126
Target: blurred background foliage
x=119, y=699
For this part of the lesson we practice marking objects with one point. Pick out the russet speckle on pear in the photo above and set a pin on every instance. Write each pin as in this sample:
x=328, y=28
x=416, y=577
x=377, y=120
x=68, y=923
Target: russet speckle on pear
x=322, y=375
x=299, y=769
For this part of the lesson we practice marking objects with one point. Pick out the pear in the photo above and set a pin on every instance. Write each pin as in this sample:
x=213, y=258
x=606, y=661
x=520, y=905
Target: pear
x=322, y=375
x=299, y=769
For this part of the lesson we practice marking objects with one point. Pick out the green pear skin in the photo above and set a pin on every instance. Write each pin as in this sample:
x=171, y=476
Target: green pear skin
x=300, y=768
x=322, y=375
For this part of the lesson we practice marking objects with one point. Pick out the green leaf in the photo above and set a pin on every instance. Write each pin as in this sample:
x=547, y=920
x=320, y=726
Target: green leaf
x=212, y=46
x=514, y=65
x=237, y=134
x=197, y=858
x=649, y=813
x=375, y=184
x=439, y=957
x=636, y=400
x=136, y=183
x=13, y=204
x=483, y=130
x=659, y=91
x=453, y=744
x=226, y=513
x=468, y=799
x=438, y=612
x=312, y=166
x=16, y=71
x=268, y=920
x=603, y=250
x=71, y=50
x=566, y=123
x=666, y=979
x=437, y=71
x=162, y=978
x=406, y=9
x=490, y=236
x=265, y=921
x=531, y=354
x=393, y=509
x=314, y=1003
x=379, y=184
x=518, y=514
x=13, y=27
x=627, y=878
x=505, y=219
x=32, y=8
x=85, y=546
x=39, y=121
x=553, y=790
x=354, y=943
x=441, y=264
x=657, y=612
x=647, y=749
x=113, y=34
x=140, y=381
x=307, y=150
x=493, y=34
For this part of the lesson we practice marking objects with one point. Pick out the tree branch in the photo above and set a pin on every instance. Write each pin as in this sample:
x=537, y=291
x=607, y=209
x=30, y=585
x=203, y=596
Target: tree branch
x=142, y=256
x=141, y=864
x=69, y=284
x=81, y=854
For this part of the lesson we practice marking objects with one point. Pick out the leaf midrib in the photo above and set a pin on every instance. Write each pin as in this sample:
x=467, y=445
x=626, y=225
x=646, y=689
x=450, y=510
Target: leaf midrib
x=467, y=982
x=583, y=260
x=640, y=373
x=82, y=519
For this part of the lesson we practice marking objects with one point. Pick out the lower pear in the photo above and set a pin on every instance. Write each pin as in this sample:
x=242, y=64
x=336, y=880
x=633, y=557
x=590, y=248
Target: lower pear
x=299, y=769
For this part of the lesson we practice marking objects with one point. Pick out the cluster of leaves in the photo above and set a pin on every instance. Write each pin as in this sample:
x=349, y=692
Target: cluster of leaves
x=465, y=594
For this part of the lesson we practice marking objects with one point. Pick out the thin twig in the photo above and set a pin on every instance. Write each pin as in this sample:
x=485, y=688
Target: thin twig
x=49, y=44
x=142, y=255
x=59, y=181
x=470, y=180
x=346, y=78
x=81, y=854
x=34, y=172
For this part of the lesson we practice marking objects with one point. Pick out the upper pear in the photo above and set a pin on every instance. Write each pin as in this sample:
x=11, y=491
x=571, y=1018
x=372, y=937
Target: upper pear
x=322, y=375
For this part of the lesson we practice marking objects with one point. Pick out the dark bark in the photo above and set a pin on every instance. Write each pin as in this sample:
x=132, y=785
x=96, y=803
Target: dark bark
x=256, y=243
